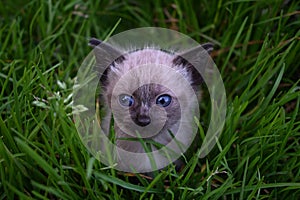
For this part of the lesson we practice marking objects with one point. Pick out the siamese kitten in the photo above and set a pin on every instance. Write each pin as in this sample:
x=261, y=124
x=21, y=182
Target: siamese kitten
x=141, y=101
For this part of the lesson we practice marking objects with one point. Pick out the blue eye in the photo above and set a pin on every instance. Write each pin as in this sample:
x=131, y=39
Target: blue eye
x=164, y=100
x=126, y=100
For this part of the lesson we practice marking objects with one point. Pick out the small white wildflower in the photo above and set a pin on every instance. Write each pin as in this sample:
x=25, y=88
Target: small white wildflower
x=68, y=98
x=40, y=104
x=62, y=85
x=78, y=109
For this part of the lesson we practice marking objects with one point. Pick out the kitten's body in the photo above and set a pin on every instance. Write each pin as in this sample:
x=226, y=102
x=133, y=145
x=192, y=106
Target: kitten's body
x=150, y=100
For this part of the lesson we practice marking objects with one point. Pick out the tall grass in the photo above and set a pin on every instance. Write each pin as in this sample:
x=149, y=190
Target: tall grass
x=256, y=49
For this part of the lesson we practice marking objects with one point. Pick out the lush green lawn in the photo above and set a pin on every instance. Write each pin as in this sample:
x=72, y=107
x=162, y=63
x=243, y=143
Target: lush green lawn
x=42, y=44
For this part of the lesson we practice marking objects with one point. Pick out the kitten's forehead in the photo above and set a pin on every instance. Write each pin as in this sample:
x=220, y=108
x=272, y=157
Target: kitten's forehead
x=149, y=57
x=146, y=56
x=151, y=90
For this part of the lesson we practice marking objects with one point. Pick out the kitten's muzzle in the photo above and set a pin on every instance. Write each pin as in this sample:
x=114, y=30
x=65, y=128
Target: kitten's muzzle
x=142, y=120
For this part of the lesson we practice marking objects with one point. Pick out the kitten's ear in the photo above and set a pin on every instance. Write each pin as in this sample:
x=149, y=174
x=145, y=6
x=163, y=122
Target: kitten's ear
x=194, y=53
x=197, y=55
x=209, y=47
x=93, y=42
x=106, y=57
x=103, y=49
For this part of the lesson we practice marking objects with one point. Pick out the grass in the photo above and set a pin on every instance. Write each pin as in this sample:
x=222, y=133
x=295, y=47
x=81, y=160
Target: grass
x=256, y=49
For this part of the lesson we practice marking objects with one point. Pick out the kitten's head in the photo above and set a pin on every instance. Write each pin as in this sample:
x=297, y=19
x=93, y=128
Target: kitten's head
x=144, y=86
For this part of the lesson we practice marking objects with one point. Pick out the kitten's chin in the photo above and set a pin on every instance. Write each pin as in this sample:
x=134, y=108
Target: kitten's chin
x=163, y=138
x=131, y=146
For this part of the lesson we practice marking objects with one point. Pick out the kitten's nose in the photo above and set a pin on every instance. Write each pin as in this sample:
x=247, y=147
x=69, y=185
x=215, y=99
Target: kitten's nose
x=143, y=120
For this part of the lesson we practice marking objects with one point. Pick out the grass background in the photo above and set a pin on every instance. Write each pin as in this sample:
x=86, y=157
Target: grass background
x=42, y=44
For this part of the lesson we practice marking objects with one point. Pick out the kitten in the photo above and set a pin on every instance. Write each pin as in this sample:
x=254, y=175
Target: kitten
x=144, y=103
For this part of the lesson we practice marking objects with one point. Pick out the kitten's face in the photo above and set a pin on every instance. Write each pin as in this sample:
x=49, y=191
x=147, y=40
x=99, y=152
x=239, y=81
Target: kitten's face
x=150, y=107
x=146, y=92
x=139, y=91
